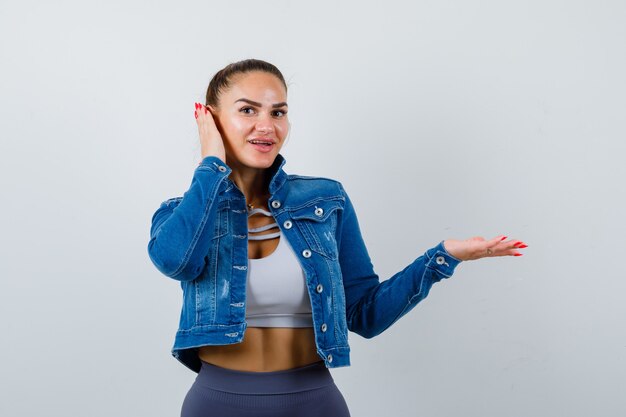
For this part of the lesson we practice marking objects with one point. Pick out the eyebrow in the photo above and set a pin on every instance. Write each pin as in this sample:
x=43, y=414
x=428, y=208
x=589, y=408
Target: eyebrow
x=254, y=103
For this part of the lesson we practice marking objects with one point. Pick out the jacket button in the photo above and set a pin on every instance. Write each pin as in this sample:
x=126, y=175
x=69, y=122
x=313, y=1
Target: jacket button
x=306, y=253
x=222, y=168
x=330, y=357
x=287, y=224
x=324, y=327
x=275, y=203
x=440, y=260
x=319, y=211
x=320, y=288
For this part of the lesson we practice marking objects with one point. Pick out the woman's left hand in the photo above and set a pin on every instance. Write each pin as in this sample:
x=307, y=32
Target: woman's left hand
x=477, y=247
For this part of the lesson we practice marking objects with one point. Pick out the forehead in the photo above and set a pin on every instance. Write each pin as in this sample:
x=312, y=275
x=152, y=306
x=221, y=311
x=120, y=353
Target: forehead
x=257, y=86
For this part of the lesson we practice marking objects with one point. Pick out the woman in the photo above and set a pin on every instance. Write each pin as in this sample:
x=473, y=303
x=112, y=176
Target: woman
x=273, y=266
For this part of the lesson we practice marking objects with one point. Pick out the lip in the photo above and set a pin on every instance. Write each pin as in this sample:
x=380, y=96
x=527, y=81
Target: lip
x=265, y=139
x=263, y=148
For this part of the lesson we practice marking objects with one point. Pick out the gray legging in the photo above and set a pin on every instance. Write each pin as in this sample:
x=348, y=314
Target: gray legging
x=307, y=391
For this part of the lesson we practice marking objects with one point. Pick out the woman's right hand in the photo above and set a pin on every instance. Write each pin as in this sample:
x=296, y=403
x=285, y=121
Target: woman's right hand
x=211, y=142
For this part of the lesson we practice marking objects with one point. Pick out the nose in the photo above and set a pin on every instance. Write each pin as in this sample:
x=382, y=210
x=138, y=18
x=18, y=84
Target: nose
x=265, y=125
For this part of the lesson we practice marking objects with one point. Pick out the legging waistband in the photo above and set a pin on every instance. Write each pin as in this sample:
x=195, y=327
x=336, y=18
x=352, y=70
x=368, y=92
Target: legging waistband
x=315, y=375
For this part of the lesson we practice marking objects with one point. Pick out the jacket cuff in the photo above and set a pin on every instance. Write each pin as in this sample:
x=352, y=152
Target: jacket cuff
x=214, y=163
x=441, y=261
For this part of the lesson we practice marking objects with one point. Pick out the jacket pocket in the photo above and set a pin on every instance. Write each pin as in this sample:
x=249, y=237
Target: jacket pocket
x=317, y=221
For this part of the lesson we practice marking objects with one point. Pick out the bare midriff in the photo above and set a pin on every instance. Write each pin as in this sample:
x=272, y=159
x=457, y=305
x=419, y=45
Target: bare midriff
x=265, y=349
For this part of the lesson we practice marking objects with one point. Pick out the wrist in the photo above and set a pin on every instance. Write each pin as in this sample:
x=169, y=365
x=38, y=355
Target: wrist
x=451, y=246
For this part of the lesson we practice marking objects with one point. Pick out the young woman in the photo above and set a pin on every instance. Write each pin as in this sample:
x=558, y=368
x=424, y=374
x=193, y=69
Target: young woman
x=273, y=267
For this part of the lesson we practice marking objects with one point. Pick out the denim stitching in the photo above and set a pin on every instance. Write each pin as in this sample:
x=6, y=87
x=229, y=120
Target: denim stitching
x=333, y=252
x=198, y=232
x=334, y=299
x=410, y=301
x=310, y=203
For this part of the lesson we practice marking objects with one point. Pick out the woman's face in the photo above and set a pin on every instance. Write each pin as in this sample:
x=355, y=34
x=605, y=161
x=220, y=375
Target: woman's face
x=253, y=108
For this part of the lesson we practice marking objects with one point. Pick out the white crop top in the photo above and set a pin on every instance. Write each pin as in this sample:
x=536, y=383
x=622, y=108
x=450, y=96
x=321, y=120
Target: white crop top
x=276, y=290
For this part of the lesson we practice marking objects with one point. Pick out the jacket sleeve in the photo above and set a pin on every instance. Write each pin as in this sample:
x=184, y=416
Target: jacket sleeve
x=182, y=227
x=373, y=306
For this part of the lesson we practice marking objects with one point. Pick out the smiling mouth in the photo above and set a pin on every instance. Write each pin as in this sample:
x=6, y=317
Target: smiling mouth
x=261, y=141
x=262, y=145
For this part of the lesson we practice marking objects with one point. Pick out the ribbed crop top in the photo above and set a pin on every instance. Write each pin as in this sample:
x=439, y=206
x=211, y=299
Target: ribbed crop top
x=276, y=290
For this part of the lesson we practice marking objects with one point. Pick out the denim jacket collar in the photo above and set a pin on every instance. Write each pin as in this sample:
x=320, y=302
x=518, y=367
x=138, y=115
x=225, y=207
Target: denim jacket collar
x=277, y=174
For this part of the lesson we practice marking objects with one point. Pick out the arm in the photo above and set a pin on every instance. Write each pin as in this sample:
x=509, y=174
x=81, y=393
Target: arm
x=181, y=229
x=373, y=306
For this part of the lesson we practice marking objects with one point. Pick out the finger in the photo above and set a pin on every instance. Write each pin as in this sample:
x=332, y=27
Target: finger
x=507, y=252
x=515, y=244
x=492, y=243
x=499, y=238
x=205, y=112
x=203, y=116
x=498, y=247
x=486, y=248
x=502, y=248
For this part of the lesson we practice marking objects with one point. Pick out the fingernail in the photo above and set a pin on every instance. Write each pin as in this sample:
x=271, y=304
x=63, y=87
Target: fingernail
x=196, y=113
x=523, y=246
x=517, y=254
x=197, y=106
x=504, y=237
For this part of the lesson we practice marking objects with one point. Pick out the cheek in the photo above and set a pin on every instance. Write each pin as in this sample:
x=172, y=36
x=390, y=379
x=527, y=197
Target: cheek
x=283, y=126
x=235, y=125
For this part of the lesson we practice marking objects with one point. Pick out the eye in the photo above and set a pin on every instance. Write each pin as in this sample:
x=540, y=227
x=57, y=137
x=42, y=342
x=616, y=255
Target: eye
x=243, y=109
x=282, y=113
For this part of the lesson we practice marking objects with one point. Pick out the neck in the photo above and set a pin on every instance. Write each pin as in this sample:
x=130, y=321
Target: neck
x=253, y=183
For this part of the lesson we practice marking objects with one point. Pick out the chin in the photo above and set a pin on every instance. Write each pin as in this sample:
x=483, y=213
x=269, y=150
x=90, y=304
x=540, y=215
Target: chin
x=261, y=160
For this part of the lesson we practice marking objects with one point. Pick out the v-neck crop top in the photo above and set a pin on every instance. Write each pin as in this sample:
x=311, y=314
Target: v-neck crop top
x=276, y=290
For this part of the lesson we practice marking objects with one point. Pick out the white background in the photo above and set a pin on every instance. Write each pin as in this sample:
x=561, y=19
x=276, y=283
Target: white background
x=443, y=119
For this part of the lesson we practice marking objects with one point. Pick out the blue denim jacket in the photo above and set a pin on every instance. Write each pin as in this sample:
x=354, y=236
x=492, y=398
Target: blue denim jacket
x=200, y=239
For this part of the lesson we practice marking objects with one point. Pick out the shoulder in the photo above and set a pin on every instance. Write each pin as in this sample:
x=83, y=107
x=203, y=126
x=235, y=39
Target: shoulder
x=309, y=190
x=170, y=203
x=315, y=184
x=308, y=180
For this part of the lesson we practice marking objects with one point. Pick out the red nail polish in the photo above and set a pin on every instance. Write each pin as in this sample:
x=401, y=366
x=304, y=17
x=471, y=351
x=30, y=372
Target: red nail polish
x=517, y=254
x=504, y=237
x=195, y=114
x=523, y=246
x=197, y=106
